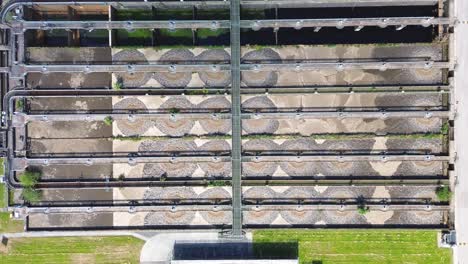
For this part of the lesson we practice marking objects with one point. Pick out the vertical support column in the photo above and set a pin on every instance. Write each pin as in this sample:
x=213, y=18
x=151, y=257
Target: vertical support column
x=275, y=30
x=73, y=34
x=194, y=31
x=153, y=32
x=236, y=120
x=111, y=33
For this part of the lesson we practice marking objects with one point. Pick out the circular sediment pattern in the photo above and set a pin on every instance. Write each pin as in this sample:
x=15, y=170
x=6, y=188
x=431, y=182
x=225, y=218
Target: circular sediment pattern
x=170, y=145
x=258, y=169
x=346, y=169
x=259, y=193
x=260, y=126
x=169, y=193
x=260, y=217
x=418, y=168
x=298, y=169
x=132, y=127
x=260, y=78
x=175, y=127
x=339, y=193
x=215, y=79
x=297, y=192
x=299, y=217
x=216, y=169
x=300, y=144
x=343, y=218
x=136, y=79
x=415, y=218
x=175, y=79
x=258, y=103
x=260, y=145
x=176, y=169
x=177, y=103
x=215, y=145
x=217, y=217
x=215, y=193
x=169, y=218
x=216, y=103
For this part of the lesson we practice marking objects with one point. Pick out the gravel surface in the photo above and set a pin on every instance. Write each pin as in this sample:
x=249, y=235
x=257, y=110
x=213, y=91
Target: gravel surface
x=215, y=79
x=348, y=192
x=299, y=169
x=422, y=144
x=412, y=125
x=261, y=78
x=178, y=169
x=300, y=193
x=420, y=168
x=170, y=145
x=408, y=192
x=217, y=217
x=217, y=103
x=415, y=218
x=137, y=79
x=176, y=79
x=170, y=193
x=402, y=100
x=346, y=169
x=169, y=218
x=132, y=127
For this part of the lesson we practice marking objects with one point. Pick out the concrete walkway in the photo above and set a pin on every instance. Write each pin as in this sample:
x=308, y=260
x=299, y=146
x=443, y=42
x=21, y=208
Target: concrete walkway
x=141, y=236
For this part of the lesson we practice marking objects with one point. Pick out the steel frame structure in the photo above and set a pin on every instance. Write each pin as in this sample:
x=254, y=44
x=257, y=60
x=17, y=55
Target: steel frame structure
x=18, y=69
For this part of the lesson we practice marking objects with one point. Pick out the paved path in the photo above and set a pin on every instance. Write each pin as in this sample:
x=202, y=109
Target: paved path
x=461, y=131
x=139, y=235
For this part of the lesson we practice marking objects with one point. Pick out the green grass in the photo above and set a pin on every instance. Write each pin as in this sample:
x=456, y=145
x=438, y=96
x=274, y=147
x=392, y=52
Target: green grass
x=3, y=191
x=137, y=33
x=177, y=33
x=205, y=33
x=444, y=194
x=29, y=178
x=137, y=14
x=2, y=166
x=108, y=120
x=353, y=246
x=8, y=225
x=72, y=250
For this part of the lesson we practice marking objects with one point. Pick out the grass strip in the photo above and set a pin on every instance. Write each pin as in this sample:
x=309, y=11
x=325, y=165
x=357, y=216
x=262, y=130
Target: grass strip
x=119, y=249
x=352, y=246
